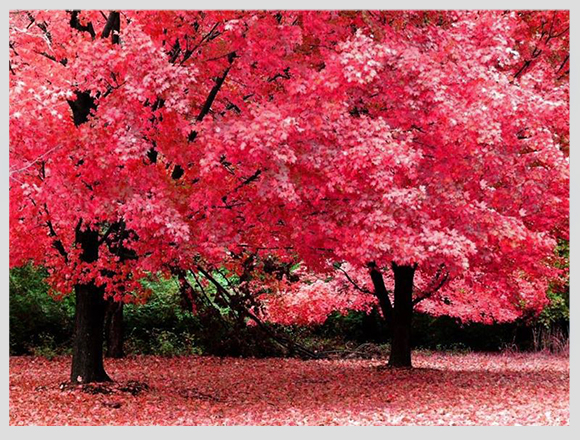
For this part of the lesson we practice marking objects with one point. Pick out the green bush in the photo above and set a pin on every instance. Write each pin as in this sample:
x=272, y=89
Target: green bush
x=228, y=336
x=163, y=343
x=36, y=319
x=162, y=324
x=557, y=313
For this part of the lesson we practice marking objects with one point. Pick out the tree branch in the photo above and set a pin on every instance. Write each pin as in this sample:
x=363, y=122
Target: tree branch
x=212, y=95
x=438, y=282
x=278, y=338
x=56, y=243
x=381, y=292
x=111, y=228
x=113, y=26
x=216, y=88
x=75, y=24
x=354, y=283
x=28, y=165
x=563, y=63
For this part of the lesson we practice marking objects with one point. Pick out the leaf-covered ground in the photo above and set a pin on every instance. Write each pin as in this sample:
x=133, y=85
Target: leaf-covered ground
x=443, y=389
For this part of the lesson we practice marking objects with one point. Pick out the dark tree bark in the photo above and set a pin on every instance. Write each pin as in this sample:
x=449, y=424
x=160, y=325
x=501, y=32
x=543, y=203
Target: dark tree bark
x=113, y=26
x=87, y=362
x=75, y=24
x=114, y=329
x=402, y=316
x=382, y=294
x=81, y=107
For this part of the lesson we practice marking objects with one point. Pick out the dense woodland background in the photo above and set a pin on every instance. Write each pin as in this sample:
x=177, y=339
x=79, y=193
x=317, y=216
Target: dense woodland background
x=41, y=324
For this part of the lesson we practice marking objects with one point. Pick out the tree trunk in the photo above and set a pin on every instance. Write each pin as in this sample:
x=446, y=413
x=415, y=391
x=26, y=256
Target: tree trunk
x=114, y=329
x=87, y=363
x=402, y=316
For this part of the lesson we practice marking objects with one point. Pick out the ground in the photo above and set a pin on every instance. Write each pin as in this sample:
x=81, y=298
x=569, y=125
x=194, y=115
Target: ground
x=443, y=389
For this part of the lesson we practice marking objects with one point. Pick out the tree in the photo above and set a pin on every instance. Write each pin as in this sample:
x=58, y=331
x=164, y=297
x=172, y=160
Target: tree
x=165, y=141
x=424, y=149
x=105, y=167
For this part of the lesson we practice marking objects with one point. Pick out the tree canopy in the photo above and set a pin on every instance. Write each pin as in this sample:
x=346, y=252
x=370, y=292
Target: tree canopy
x=187, y=139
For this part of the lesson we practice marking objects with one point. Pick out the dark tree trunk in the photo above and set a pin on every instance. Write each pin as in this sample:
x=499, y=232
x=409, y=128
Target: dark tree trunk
x=87, y=362
x=114, y=329
x=402, y=316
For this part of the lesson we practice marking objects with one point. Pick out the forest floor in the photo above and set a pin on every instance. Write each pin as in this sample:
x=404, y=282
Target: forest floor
x=442, y=389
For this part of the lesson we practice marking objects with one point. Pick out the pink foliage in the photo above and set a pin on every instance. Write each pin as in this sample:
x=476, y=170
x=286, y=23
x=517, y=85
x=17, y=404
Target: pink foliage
x=432, y=138
x=312, y=299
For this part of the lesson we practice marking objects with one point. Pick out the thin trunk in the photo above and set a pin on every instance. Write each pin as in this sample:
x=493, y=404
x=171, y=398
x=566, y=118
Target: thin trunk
x=114, y=330
x=402, y=316
x=382, y=294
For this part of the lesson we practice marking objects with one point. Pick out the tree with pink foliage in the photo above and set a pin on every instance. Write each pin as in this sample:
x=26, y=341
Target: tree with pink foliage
x=431, y=148
x=428, y=149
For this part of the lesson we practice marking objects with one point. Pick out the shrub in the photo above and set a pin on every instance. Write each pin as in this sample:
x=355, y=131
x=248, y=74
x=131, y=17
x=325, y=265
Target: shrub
x=36, y=319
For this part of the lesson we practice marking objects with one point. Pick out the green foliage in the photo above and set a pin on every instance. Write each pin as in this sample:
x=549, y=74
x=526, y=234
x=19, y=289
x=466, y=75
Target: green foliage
x=163, y=313
x=164, y=326
x=558, y=310
x=36, y=319
x=355, y=326
x=225, y=328
x=224, y=335
x=455, y=347
x=163, y=343
x=428, y=332
x=47, y=347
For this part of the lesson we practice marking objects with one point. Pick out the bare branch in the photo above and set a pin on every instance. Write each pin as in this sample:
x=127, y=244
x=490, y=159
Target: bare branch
x=278, y=338
x=28, y=165
x=353, y=282
x=563, y=63
x=57, y=243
